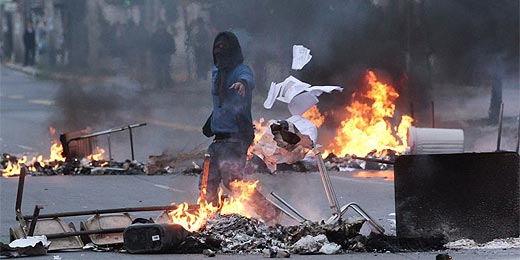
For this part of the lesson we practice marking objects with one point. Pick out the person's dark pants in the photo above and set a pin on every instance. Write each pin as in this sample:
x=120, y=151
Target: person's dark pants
x=227, y=163
x=29, y=56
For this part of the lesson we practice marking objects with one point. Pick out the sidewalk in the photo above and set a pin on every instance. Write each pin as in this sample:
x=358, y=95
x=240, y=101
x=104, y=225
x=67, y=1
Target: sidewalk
x=49, y=74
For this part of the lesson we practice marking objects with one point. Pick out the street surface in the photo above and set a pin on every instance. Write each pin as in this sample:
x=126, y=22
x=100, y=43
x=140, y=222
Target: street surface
x=27, y=104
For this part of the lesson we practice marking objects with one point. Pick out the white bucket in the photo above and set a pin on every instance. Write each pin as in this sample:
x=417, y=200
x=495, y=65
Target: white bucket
x=435, y=140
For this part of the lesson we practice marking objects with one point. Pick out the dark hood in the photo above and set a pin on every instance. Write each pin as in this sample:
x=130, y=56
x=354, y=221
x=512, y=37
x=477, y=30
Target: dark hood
x=227, y=53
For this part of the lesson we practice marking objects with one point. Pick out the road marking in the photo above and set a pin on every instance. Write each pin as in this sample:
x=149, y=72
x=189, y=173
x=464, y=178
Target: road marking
x=42, y=102
x=361, y=180
x=15, y=96
x=167, y=188
x=177, y=126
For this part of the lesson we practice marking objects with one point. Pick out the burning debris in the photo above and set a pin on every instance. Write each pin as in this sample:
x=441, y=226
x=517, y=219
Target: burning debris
x=235, y=234
x=12, y=165
x=240, y=235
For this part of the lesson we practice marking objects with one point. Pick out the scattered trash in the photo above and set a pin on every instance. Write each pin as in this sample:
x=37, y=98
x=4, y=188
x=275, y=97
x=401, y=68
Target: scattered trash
x=301, y=56
x=208, y=253
x=309, y=244
x=330, y=248
x=282, y=142
x=503, y=243
x=30, y=246
x=275, y=252
x=443, y=257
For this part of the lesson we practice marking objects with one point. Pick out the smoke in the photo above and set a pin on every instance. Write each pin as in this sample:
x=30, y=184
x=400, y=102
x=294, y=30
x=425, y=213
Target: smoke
x=418, y=43
x=420, y=47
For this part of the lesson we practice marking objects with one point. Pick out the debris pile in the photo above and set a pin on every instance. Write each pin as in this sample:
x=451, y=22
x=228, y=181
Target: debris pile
x=350, y=163
x=235, y=234
x=75, y=167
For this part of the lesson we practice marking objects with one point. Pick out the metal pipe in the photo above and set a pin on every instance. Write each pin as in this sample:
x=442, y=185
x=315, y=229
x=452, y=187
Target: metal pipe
x=19, y=197
x=320, y=170
x=205, y=174
x=283, y=210
x=288, y=206
x=84, y=232
x=327, y=184
x=363, y=214
x=433, y=114
x=500, y=118
x=109, y=151
x=34, y=220
x=109, y=131
x=373, y=160
x=19, y=193
x=131, y=142
x=331, y=188
x=518, y=137
x=104, y=211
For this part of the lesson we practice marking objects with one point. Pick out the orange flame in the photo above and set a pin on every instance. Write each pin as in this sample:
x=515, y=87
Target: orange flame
x=12, y=169
x=367, y=128
x=195, y=219
x=259, y=131
x=55, y=155
x=97, y=155
x=314, y=115
x=387, y=175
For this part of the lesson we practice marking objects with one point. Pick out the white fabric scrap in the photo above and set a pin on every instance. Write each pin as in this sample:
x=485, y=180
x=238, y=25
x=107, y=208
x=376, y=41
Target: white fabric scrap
x=30, y=242
x=301, y=56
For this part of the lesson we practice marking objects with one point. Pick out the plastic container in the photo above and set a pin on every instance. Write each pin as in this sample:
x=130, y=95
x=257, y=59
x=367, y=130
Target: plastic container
x=435, y=141
x=153, y=238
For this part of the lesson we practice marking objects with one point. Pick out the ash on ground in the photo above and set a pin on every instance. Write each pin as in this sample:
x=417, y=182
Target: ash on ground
x=235, y=234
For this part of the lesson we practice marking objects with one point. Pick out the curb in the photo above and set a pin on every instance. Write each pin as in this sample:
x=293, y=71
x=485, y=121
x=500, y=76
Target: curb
x=27, y=70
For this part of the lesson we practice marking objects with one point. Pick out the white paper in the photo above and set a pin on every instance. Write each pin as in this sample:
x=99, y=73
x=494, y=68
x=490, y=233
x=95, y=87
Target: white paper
x=301, y=103
x=305, y=126
x=29, y=241
x=291, y=87
x=301, y=56
x=274, y=90
x=318, y=90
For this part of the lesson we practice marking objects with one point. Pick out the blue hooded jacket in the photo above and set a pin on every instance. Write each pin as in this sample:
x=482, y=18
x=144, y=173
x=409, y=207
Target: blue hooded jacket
x=231, y=112
x=234, y=114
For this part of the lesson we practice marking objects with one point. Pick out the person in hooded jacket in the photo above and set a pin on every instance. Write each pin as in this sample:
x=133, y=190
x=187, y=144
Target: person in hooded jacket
x=231, y=123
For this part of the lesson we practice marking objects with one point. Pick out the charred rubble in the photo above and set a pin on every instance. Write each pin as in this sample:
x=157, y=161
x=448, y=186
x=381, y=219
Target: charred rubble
x=235, y=234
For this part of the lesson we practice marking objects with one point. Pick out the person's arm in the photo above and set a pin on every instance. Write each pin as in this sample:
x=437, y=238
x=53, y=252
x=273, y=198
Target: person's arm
x=245, y=81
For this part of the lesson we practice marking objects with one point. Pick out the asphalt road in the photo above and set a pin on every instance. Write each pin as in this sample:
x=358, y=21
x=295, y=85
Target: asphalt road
x=27, y=104
x=303, y=190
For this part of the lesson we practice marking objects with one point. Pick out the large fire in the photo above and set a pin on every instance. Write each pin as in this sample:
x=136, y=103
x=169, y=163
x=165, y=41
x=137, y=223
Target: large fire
x=314, y=115
x=367, y=127
x=195, y=219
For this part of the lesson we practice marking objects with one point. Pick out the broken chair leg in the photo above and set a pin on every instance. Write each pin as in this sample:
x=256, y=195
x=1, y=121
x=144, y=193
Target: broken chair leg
x=34, y=220
x=327, y=185
x=375, y=227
